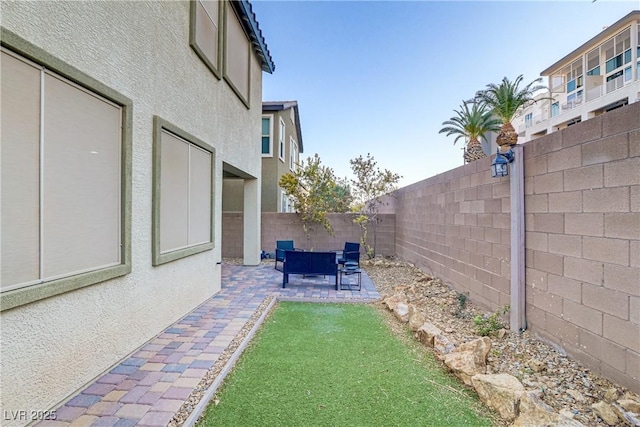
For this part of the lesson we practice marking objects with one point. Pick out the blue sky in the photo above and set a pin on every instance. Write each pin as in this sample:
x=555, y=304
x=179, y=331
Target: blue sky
x=380, y=77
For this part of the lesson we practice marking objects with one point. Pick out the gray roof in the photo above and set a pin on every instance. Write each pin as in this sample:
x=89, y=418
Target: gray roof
x=270, y=106
x=251, y=26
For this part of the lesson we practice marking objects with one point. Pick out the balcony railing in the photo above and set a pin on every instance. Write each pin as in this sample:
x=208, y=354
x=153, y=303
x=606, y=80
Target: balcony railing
x=615, y=84
x=572, y=104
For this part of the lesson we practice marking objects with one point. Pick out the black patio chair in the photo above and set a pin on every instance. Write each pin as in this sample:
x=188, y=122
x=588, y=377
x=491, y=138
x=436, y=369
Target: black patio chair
x=351, y=253
x=281, y=247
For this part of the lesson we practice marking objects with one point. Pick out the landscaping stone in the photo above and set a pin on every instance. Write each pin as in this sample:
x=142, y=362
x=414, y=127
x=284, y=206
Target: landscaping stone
x=534, y=412
x=427, y=332
x=416, y=318
x=606, y=412
x=469, y=359
x=500, y=392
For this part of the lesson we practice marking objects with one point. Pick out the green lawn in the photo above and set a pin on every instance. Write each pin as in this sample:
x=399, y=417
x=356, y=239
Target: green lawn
x=338, y=365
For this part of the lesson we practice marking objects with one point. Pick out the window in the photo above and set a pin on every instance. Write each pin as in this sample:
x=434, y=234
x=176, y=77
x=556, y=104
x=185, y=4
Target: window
x=182, y=194
x=617, y=50
x=574, y=76
x=627, y=74
x=218, y=38
x=266, y=136
x=237, y=56
x=281, y=138
x=293, y=155
x=284, y=202
x=205, y=32
x=65, y=189
x=555, y=109
x=528, y=120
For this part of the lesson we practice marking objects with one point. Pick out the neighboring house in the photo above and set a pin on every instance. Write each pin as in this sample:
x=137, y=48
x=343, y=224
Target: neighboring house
x=119, y=121
x=281, y=148
x=601, y=75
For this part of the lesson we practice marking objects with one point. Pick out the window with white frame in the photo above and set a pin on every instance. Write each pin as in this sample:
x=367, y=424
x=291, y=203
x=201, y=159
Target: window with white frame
x=182, y=194
x=293, y=155
x=64, y=179
x=284, y=202
x=267, y=131
x=617, y=51
x=528, y=120
x=281, y=137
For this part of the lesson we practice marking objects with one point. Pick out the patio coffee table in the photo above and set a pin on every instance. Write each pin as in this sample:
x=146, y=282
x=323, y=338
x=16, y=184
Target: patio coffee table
x=350, y=267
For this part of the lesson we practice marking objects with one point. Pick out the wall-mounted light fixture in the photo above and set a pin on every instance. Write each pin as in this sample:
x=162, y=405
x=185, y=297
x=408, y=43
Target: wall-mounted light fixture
x=500, y=165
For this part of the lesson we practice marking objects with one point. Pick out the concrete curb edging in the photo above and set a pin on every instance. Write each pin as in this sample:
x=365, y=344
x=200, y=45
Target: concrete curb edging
x=204, y=402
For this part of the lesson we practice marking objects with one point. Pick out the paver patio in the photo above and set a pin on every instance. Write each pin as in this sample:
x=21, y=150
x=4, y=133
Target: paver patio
x=151, y=385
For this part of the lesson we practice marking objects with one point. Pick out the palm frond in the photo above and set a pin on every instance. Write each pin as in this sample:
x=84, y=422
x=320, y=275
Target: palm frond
x=470, y=123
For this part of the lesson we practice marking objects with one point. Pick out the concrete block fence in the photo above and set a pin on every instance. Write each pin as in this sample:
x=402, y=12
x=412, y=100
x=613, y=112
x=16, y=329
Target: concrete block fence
x=582, y=242
x=287, y=226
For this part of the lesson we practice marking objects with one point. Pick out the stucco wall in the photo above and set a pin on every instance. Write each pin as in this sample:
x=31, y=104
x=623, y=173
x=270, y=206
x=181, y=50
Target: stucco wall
x=582, y=221
x=287, y=226
x=141, y=49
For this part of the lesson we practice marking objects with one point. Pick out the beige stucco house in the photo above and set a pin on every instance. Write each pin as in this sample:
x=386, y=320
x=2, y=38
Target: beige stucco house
x=119, y=121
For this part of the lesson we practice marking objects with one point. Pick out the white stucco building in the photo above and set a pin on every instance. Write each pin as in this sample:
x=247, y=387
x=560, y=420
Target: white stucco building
x=601, y=75
x=119, y=121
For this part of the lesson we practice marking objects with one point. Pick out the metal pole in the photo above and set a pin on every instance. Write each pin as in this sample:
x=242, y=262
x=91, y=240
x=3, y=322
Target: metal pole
x=518, y=315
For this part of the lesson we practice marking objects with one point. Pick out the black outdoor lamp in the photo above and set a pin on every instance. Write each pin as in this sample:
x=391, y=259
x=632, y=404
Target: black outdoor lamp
x=500, y=165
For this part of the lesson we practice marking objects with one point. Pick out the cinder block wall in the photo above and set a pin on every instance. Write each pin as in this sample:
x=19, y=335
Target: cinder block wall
x=287, y=226
x=456, y=226
x=582, y=220
x=582, y=203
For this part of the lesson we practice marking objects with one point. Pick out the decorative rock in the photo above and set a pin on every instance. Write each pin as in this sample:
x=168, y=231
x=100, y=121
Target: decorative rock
x=392, y=301
x=567, y=413
x=442, y=344
x=500, y=392
x=465, y=364
x=576, y=395
x=534, y=412
x=611, y=395
x=501, y=333
x=629, y=417
x=448, y=330
x=480, y=348
x=606, y=412
x=427, y=332
x=630, y=405
x=416, y=318
x=401, y=310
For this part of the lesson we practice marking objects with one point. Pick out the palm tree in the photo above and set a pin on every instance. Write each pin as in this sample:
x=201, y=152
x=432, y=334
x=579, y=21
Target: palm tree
x=472, y=124
x=506, y=101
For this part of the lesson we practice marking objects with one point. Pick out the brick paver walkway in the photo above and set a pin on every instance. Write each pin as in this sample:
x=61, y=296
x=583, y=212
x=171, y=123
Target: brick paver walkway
x=149, y=387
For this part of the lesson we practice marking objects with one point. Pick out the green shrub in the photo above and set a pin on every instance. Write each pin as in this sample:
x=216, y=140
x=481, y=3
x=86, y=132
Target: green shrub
x=490, y=325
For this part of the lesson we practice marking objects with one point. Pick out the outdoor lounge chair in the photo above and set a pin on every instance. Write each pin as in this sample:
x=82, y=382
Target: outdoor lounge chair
x=281, y=247
x=351, y=253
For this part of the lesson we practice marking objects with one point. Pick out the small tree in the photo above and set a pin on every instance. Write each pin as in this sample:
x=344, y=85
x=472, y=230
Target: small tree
x=341, y=197
x=311, y=188
x=370, y=186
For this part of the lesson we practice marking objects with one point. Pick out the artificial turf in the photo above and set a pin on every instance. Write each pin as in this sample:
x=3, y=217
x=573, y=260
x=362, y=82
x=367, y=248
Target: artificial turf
x=338, y=365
